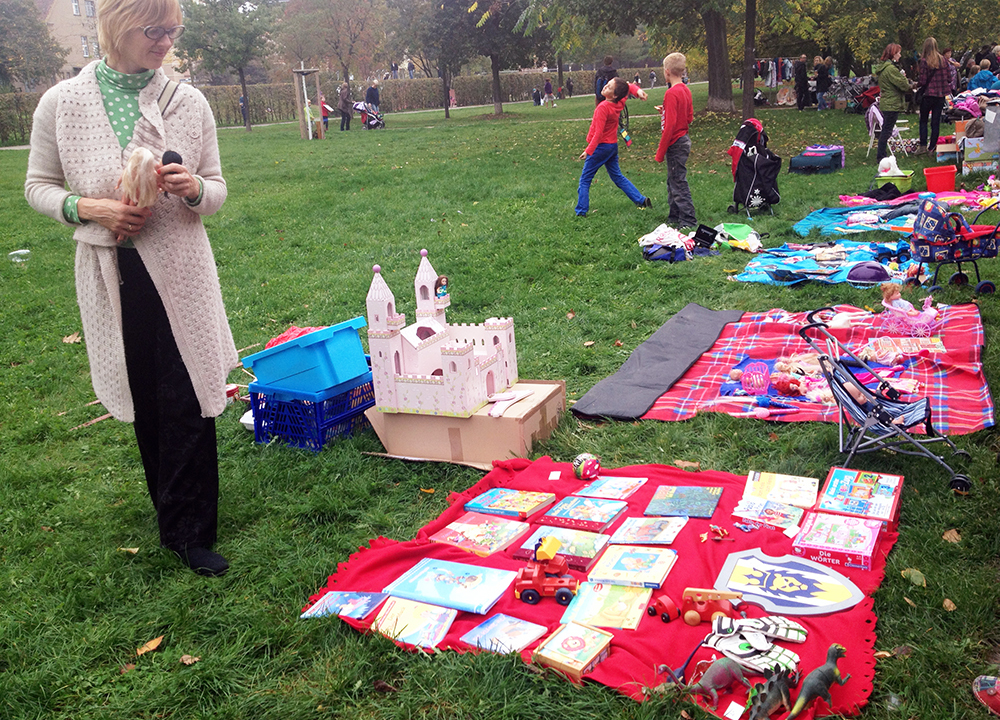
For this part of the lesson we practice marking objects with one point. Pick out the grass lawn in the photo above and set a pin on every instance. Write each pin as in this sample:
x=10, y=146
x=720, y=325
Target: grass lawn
x=492, y=200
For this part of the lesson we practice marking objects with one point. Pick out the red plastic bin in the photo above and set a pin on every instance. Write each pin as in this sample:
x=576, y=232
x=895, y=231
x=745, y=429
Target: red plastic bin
x=940, y=178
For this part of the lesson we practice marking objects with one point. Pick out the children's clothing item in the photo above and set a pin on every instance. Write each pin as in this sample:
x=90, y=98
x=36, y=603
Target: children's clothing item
x=606, y=154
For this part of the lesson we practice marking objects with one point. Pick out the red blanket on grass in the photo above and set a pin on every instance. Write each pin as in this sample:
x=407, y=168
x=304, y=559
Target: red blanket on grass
x=953, y=380
x=635, y=654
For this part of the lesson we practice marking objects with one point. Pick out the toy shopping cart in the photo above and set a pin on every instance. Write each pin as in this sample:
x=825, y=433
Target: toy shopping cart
x=944, y=238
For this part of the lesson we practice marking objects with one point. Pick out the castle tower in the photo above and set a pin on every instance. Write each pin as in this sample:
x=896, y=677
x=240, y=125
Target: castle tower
x=384, y=342
x=430, y=304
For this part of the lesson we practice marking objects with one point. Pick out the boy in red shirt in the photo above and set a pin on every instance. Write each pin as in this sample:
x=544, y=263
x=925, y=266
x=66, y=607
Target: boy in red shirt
x=602, y=145
x=676, y=115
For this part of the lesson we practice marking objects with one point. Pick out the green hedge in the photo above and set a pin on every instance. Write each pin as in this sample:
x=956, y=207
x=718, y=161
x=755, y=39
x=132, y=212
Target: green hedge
x=16, y=110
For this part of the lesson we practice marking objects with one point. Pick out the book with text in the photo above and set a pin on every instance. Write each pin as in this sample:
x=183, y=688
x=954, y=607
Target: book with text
x=349, y=604
x=688, y=500
x=767, y=513
x=611, y=606
x=583, y=513
x=788, y=489
x=838, y=540
x=480, y=533
x=574, y=648
x=862, y=494
x=612, y=488
x=632, y=565
x=648, y=530
x=504, y=634
x=413, y=622
x=451, y=584
x=512, y=503
x=579, y=547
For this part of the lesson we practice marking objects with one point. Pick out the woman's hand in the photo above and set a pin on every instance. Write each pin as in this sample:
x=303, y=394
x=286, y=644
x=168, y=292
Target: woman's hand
x=119, y=217
x=176, y=180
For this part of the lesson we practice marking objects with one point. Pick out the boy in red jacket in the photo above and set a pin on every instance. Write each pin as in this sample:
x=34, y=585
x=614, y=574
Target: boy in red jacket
x=675, y=145
x=602, y=145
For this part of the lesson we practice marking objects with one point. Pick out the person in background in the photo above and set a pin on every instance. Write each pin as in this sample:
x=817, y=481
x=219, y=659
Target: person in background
x=394, y=71
x=244, y=110
x=548, y=96
x=371, y=95
x=569, y=86
x=158, y=340
x=409, y=68
x=801, y=73
x=636, y=79
x=823, y=82
x=326, y=110
x=602, y=76
x=345, y=106
x=934, y=77
x=652, y=78
x=984, y=78
x=893, y=87
x=953, y=67
x=602, y=145
x=536, y=96
x=676, y=115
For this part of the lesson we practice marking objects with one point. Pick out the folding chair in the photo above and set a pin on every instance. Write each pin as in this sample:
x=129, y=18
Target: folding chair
x=878, y=420
x=874, y=119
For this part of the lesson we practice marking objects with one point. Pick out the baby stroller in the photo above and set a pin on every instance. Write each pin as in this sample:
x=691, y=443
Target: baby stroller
x=881, y=420
x=371, y=119
x=755, y=169
x=945, y=238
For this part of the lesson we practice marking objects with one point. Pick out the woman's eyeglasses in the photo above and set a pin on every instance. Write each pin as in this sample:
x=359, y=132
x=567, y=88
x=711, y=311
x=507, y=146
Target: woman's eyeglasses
x=155, y=32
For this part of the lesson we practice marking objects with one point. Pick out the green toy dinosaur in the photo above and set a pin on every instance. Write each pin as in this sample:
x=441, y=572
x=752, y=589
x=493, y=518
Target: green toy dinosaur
x=720, y=676
x=817, y=683
x=765, y=698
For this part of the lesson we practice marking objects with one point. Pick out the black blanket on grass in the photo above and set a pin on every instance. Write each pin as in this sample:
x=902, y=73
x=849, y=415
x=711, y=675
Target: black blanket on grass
x=656, y=365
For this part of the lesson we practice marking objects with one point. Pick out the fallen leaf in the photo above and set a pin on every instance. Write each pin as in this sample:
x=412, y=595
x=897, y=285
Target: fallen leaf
x=130, y=551
x=125, y=668
x=588, y=343
x=882, y=654
x=949, y=605
x=570, y=315
x=773, y=437
x=952, y=536
x=903, y=651
x=70, y=339
x=150, y=646
x=687, y=464
x=909, y=602
x=915, y=576
x=46, y=528
x=634, y=326
x=429, y=491
x=188, y=660
x=618, y=343
x=684, y=714
x=383, y=686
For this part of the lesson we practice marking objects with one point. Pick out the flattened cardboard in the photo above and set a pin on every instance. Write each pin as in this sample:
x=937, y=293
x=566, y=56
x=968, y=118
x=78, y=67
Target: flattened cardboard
x=478, y=440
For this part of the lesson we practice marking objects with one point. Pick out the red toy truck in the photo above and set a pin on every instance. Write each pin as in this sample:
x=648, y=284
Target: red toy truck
x=546, y=576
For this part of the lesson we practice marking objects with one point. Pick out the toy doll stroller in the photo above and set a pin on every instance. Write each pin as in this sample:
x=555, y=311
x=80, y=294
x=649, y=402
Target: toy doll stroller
x=881, y=421
x=755, y=169
x=371, y=119
x=945, y=238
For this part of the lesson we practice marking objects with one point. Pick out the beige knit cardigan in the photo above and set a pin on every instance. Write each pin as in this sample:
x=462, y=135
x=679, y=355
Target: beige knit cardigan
x=72, y=143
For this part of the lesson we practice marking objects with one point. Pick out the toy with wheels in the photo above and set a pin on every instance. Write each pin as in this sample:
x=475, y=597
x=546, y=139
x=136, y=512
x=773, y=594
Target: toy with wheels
x=899, y=321
x=944, y=238
x=705, y=604
x=546, y=575
x=664, y=607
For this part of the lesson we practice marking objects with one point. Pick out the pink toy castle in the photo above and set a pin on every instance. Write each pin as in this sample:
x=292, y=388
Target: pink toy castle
x=431, y=367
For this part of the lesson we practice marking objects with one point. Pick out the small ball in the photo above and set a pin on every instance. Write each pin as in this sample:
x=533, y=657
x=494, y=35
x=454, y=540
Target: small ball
x=587, y=466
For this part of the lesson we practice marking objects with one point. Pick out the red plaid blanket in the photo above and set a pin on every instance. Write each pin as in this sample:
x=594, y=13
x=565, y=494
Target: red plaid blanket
x=953, y=380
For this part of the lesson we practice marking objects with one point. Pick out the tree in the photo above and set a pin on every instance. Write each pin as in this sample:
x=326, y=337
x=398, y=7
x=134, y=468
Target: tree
x=28, y=54
x=224, y=35
x=348, y=31
x=497, y=39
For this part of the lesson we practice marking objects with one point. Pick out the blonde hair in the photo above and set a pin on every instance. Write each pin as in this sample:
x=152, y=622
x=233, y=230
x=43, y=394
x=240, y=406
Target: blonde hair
x=930, y=53
x=985, y=64
x=115, y=18
x=674, y=64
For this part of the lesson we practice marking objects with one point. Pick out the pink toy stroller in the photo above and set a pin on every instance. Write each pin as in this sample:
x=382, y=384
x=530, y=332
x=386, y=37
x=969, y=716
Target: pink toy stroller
x=900, y=322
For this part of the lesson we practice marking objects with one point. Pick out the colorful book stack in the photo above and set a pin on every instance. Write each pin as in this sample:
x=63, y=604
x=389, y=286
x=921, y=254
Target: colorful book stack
x=768, y=514
x=788, y=489
x=838, y=540
x=511, y=503
x=575, y=649
x=584, y=513
x=579, y=547
x=863, y=494
x=608, y=606
x=480, y=533
x=633, y=566
x=648, y=531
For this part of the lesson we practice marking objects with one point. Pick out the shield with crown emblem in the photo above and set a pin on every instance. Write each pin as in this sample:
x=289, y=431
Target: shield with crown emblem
x=788, y=584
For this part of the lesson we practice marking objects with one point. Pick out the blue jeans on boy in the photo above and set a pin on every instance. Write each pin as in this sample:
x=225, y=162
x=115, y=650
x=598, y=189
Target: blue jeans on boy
x=605, y=154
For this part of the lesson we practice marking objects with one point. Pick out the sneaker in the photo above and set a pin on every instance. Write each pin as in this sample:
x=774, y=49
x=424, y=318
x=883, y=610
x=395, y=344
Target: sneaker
x=646, y=203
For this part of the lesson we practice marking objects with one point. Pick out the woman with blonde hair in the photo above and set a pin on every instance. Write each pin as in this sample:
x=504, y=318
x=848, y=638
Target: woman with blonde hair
x=934, y=79
x=158, y=340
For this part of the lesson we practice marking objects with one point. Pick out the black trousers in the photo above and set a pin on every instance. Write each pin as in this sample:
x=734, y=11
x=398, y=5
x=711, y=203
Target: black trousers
x=177, y=445
x=930, y=109
x=345, y=120
x=889, y=118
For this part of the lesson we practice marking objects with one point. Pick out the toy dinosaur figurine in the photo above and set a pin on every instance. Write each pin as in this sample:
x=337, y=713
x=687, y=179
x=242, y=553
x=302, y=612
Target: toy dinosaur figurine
x=817, y=683
x=772, y=694
x=720, y=675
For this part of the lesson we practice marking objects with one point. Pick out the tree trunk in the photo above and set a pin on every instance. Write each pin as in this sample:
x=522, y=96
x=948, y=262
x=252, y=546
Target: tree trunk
x=246, y=98
x=446, y=84
x=750, y=30
x=559, y=73
x=497, y=100
x=720, y=82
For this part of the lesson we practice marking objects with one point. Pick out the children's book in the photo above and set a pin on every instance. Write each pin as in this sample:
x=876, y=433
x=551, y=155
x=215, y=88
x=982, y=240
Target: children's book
x=451, y=584
x=635, y=566
x=584, y=513
x=788, y=489
x=574, y=648
x=512, y=503
x=688, y=500
x=767, y=513
x=648, y=531
x=480, y=533
x=612, y=488
x=579, y=547
x=504, y=634
x=862, y=494
x=347, y=604
x=838, y=540
x=612, y=606
x=414, y=622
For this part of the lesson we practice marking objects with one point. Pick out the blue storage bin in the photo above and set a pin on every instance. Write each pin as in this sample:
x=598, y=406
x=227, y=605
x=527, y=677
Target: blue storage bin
x=321, y=360
x=310, y=419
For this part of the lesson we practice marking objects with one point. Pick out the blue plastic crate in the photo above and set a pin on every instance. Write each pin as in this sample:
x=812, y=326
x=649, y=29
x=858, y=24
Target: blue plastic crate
x=309, y=419
x=325, y=359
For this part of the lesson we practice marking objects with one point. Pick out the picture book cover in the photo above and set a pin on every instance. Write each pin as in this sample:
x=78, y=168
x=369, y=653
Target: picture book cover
x=451, y=584
x=583, y=513
x=612, y=488
x=767, y=513
x=631, y=565
x=862, y=494
x=512, y=503
x=574, y=648
x=610, y=606
x=480, y=533
x=788, y=489
x=687, y=500
x=414, y=622
x=648, y=531
x=504, y=634
x=579, y=547
x=349, y=604
x=838, y=540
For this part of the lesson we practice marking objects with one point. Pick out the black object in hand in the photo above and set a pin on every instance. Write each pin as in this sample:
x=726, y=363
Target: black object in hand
x=171, y=157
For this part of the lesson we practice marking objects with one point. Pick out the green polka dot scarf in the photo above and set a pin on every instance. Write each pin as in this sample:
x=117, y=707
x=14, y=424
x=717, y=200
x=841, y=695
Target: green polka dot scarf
x=120, y=93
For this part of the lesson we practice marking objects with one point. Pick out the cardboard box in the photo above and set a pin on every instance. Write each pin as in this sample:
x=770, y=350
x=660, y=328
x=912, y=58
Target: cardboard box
x=863, y=494
x=837, y=540
x=478, y=440
x=960, y=129
x=971, y=166
x=975, y=149
x=840, y=104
